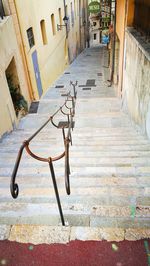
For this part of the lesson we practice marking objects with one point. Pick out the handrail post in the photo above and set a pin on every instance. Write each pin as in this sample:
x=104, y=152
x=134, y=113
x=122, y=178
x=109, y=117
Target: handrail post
x=56, y=190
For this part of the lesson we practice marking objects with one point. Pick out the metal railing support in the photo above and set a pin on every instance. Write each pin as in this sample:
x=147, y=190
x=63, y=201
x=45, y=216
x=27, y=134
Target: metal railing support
x=67, y=139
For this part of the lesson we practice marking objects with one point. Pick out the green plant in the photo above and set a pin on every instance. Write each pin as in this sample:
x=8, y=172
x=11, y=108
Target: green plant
x=20, y=104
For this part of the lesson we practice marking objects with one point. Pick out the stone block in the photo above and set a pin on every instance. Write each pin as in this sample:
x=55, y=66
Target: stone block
x=4, y=232
x=136, y=234
x=85, y=233
x=39, y=234
x=112, y=234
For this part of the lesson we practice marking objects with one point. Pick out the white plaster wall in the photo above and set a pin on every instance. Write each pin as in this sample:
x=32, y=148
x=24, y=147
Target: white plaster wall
x=136, y=82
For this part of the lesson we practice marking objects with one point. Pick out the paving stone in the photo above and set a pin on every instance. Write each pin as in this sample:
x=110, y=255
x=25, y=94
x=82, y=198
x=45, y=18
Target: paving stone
x=136, y=234
x=39, y=234
x=112, y=234
x=112, y=211
x=85, y=233
x=4, y=231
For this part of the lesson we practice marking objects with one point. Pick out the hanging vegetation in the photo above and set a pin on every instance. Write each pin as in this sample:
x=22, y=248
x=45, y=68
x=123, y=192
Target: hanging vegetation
x=20, y=104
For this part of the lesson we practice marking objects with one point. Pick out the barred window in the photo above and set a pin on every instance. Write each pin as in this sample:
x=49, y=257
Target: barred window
x=30, y=37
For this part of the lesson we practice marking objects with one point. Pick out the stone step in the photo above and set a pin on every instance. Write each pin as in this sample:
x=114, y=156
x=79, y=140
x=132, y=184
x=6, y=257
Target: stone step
x=37, y=235
x=104, y=105
x=47, y=214
x=75, y=182
x=95, y=171
x=83, y=142
x=48, y=192
x=36, y=121
x=82, y=162
x=81, y=154
x=113, y=131
x=80, y=148
x=76, y=136
x=86, y=200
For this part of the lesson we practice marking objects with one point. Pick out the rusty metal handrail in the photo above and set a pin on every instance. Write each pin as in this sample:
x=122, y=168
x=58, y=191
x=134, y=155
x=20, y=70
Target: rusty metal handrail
x=14, y=188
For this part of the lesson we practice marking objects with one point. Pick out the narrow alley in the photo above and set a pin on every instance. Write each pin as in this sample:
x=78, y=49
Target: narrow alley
x=109, y=163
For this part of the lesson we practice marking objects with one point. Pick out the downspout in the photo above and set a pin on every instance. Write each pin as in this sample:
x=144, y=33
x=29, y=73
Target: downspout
x=125, y=20
x=64, y=1
x=114, y=47
x=80, y=23
x=24, y=56
x=88, y=27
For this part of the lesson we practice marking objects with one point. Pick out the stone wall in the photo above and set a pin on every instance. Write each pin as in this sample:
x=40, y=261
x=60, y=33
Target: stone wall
x=136, y=80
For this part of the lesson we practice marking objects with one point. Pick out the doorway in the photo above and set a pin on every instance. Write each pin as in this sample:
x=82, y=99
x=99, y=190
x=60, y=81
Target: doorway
x=19, y=103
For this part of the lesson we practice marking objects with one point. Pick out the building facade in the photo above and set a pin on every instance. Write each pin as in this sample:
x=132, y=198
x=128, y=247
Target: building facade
x=13, y=78
x=43, y=43
x=50, y=45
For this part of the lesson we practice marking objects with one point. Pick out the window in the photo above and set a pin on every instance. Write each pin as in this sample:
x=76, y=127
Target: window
x=95, y=36
x=66, y=10
x=30, y=37
x=72, y=15
x=60, y=16
x=53, y=24
x=43, y=31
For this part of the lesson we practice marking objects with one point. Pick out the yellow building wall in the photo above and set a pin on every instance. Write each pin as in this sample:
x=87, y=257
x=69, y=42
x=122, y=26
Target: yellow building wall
x=53, y=56
x=120, y=27
x=9, y=50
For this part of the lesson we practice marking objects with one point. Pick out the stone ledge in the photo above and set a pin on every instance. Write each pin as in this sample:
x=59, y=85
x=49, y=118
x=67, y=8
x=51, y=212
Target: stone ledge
x=88, y=233
x=39, y=234
x=134, y=234
x=35, y=234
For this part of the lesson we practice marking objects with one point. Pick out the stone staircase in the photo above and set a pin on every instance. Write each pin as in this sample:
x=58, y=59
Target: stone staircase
x=110, y=160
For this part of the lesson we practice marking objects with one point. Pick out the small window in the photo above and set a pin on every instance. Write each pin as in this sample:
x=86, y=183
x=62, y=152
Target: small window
x=43, y=31
x=95, y=36
x=60, y=16
x=30, y=37
x=72, y=15
x=66, y=10
x=53, y=24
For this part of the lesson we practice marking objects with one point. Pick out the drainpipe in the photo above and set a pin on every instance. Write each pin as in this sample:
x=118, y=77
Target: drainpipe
x=80, y=23
x=24, y=56
x=64, y=1
x=88, y=27
x=125, y=20
x=114, y=47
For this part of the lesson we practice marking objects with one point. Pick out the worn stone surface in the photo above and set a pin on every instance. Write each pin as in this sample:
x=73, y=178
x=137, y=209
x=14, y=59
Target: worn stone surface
x=109, y=161
x=136, y=234
x=111, y=211
x=85, y=233
x=39, y=234
x=4, y=232
x=112, y=234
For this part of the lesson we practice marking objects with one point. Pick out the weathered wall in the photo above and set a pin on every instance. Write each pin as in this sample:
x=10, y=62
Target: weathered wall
x=8, y=50
x=136, y=84
x=52, y=57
